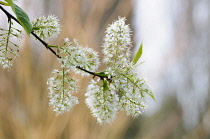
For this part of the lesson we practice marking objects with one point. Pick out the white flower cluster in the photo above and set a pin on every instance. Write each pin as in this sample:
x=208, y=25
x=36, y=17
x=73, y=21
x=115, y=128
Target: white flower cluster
x=121, y=89
x=117, y=43
x=102, y=102
x=117, y=88
x=75, y=55
x=46, y=27
x=61, y=89
x=132, y=91
x=9, y=49
x=61, y=86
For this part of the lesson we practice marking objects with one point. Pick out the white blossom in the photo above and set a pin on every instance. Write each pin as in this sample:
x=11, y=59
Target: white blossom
x=8, y=47
x=117, y=43
x=46, y=27
x=133, y=94
x=102, y=102
x=73, y=54
x=125, y=91
x=6, y=62
x=132, y=89
x=119, y=87
x=61, y=89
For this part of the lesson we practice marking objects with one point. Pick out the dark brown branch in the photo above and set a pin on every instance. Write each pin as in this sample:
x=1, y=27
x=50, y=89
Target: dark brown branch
x=94, y=74
x=45, y=44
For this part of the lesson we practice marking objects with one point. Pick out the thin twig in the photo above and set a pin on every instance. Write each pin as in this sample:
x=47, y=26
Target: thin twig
x=94, y=74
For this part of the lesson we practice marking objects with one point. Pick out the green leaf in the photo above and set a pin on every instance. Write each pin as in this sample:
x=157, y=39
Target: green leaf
x=23, y=19
x=138, y=55
x=152, y=95
x=52, y=46
x=102, y=74
x=105, y=86
x=4, y=3
x=10, y=2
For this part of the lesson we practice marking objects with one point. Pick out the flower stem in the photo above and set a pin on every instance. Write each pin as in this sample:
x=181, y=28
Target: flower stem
x=8, y=36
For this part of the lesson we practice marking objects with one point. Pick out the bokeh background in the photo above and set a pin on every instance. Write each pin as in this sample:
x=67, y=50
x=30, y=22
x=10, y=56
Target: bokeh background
x=176, y=53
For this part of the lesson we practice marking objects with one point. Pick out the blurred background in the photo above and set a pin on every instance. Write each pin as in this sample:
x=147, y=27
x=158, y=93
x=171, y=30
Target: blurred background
x=176, y=50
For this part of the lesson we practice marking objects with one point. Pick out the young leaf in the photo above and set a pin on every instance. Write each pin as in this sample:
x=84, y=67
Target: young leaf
x=105, y=86
x=4, y=3
x=138, y=55
x=10, y=2
x=102, y=74
x=23, y=19
x=152, y=95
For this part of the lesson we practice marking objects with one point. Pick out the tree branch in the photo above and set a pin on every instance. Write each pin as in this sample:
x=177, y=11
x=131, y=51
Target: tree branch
x=9, y=16
x=94, y=74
